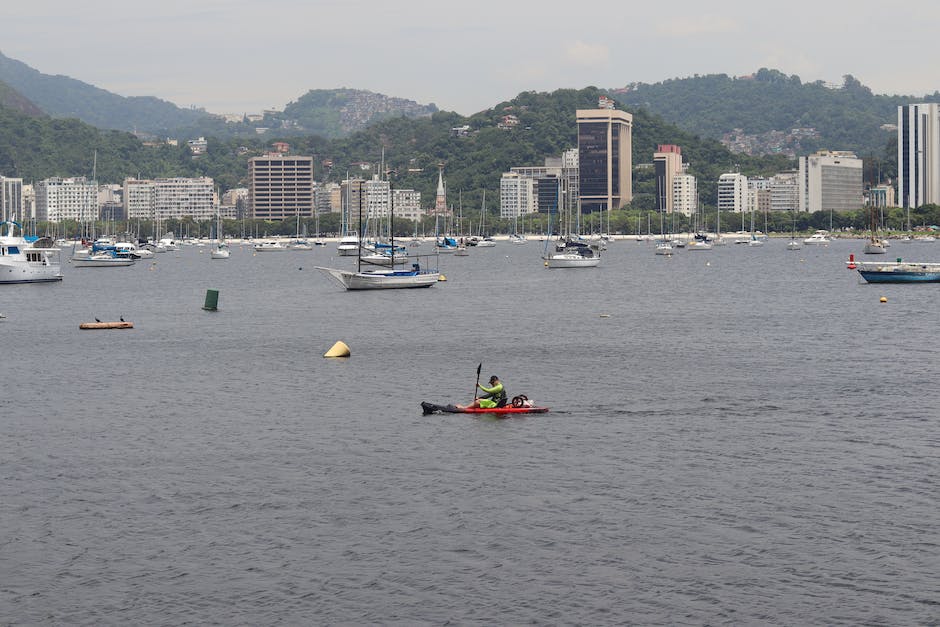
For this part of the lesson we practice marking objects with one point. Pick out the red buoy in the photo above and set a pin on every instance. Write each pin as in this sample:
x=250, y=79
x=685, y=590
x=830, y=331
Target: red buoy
x=851, y=264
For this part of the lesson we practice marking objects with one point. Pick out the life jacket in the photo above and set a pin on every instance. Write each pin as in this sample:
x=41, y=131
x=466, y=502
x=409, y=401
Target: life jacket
x=499, y=397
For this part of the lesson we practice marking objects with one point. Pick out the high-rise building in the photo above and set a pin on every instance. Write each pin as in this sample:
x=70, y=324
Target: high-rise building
x=60, y=199
x=684, y=194
x=280, y=186
x=732, y=192
x=11, y=199
x=667, y=163
x=758, y=194
x=407, y=204
x=605, y=161
x=830, y=181
x=516, y=195
x=784, y=191
x=353, y=207
x=378, y=198
x=919, y=154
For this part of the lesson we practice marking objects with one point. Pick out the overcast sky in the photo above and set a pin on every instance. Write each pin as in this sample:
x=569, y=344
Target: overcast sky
x=240, y=56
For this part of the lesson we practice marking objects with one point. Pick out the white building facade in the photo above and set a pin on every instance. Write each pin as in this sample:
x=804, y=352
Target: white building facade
x=59, y=199
x=11, y=199
x=516, y=196
x=684, y=194
x=407, y=204
x=784, y=192
x=830, y=181
x=732, y=192
x=162, y=199
x=918, y=155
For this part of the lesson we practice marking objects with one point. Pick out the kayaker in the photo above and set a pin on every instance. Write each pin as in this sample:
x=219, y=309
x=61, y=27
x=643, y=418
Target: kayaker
x=493, y=396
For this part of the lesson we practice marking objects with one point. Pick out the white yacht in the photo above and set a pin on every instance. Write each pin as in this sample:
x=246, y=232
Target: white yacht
x=819, y=237
x=270, y=246
x=27, y=261
x=348, y=245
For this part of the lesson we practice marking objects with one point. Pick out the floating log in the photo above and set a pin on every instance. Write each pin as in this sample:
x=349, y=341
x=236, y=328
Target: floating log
x=106, y=325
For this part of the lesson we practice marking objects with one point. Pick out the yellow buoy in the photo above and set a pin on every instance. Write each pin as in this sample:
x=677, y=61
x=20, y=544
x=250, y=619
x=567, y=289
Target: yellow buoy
x=339, y=350
x=546, y=264
x=442, y=278
x=883, y=299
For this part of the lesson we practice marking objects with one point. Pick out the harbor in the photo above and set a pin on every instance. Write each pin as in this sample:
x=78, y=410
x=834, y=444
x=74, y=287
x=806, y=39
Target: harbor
x=721, y=441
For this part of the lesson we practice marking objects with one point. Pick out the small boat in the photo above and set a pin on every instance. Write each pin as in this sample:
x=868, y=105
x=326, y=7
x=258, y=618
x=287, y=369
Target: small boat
x=573, y=254
x=27, y=260
x=432, y=408
x=819, y=237
x=486, y=242
x=663, y=248
x=896, y=271
x=270, y=246
x=103, y=256
x=106, y=325
x=348, y=245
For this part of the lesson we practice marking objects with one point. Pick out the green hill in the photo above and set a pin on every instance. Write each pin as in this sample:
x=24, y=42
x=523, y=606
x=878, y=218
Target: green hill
x=849, y=117
x=64, y=97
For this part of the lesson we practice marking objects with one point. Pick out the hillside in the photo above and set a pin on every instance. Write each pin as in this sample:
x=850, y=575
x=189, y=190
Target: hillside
x=12, y=99
x=768, y=105
x=64, y=97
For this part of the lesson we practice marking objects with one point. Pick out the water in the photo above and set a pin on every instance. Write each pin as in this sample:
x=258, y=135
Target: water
x=748, y=436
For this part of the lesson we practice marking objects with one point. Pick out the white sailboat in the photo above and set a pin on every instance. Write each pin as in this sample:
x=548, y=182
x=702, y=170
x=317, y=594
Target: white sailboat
x=221, y=250
x=569, y=251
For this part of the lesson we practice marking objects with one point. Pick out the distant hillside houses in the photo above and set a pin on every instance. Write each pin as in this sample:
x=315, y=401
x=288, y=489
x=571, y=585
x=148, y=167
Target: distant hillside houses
x=770, y=143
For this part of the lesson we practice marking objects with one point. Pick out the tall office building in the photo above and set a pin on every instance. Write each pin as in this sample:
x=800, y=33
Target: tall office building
x=605, y=161
x=280, y=186
x=667, y=162
x=919, y=154
x=11, y=199
x=516, y=195
x=830, y=181
x=732, y=192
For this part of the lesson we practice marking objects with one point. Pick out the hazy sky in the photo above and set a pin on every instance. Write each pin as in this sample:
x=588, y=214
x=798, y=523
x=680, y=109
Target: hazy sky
x=236, y=56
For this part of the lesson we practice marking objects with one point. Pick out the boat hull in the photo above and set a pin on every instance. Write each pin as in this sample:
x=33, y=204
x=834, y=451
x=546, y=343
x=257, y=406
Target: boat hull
x=381, y=280
x=432, y=408
x=876, y=276
x=571, y=261
x=89, y=262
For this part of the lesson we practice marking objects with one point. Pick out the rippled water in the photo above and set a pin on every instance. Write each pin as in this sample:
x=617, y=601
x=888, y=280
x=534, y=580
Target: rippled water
x=748, y=436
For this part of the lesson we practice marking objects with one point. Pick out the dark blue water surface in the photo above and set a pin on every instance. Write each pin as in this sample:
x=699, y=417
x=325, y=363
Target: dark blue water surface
x=745, y=435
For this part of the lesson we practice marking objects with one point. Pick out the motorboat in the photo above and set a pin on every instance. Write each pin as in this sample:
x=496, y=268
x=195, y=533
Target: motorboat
x=101, y=259
x=221, y=251
x=819, y=237
x=573, y=254
x=27, y=260
x=269, y=246
x=897, y=271
x=486, y=242
x=663, y=248
x=348, y=245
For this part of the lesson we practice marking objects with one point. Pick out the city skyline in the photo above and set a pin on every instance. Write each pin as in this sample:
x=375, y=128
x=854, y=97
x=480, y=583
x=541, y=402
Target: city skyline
x=461, y=58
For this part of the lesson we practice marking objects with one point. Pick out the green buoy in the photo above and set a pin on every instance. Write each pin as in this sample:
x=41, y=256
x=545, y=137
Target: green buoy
x=212, y=300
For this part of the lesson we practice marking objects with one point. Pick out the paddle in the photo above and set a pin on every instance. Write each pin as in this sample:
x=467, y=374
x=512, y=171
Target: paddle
x=477, y=386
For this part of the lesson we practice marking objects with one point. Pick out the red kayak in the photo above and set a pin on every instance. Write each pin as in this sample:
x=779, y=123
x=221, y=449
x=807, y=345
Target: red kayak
x=431, y=408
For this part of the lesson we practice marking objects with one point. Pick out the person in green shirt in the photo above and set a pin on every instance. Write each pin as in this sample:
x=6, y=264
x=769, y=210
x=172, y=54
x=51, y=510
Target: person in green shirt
x=493, y=396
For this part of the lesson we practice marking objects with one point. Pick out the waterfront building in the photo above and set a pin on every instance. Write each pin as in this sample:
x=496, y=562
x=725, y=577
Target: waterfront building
x=784, y=191
x=758, y=194
x=667, y=164
x=162, y=199
x=561, y=175
x=919, y=154
x=60, y=199
x=11, y=199
x=407, y=204
x=353, y=202
x=516, y=195
x=732, y=192
x=280, y=186
x=605, y=162
x=830, y=181
x=684, y=194
x=881, y=196
x=378, y=197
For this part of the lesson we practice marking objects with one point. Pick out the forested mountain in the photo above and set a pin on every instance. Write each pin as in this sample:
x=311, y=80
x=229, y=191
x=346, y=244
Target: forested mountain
x=12, y=99
x=64, y=97
x=35, y=148
x=845, y=118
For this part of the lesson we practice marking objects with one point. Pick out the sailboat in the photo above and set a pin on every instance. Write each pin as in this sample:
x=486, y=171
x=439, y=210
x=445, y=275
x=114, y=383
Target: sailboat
x=485, y=241
x=570, y=252
x=874, y=246
x=221, y=250
x=349, y=241
x=794, y=244
x=382, y=278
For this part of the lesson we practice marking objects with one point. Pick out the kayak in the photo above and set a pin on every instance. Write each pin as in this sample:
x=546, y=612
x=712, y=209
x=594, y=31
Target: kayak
x=431, y=408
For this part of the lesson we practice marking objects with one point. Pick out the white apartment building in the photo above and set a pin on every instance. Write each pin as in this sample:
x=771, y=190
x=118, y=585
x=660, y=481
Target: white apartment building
x=407, y=204
x=830, y=181
x=60, y=199
x=378, y=198
x=516, y=195
x=162, y=199
x=11, y=199
x=684, y=194
x=919, y=154
x=732, y=192
x=784, y=192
